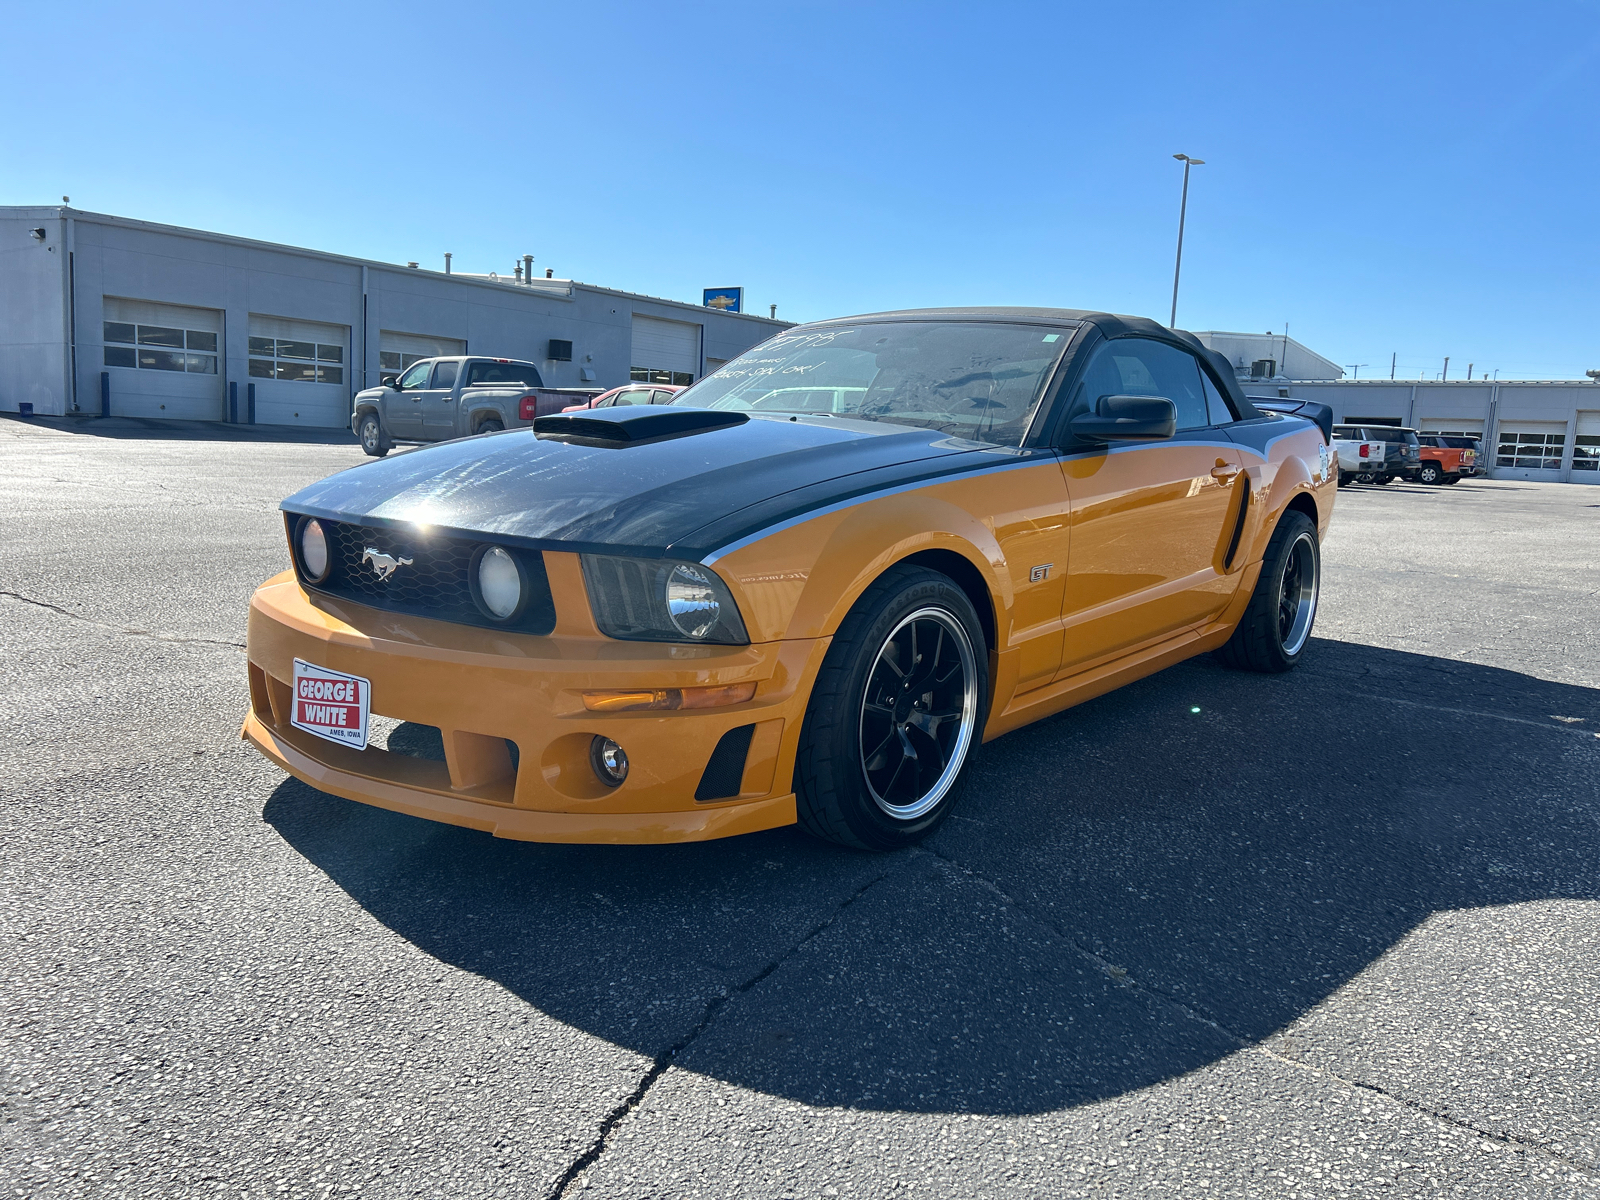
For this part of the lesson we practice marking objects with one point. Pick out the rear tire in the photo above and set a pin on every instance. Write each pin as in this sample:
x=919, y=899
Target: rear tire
x=374, y=441
x=1452, y=479
x=492, y=425
x=1275, y=630
x=896, y=710
x=1430, y=474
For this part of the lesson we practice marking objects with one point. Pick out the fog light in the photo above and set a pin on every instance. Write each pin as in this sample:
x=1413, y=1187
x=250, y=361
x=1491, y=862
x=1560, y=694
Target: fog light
x=610, y=761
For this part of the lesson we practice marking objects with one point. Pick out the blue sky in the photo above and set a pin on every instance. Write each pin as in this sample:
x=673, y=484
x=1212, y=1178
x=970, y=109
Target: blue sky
x=1417, y=180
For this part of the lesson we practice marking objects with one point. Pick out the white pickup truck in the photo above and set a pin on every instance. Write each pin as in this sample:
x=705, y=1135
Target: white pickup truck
x=437, y=399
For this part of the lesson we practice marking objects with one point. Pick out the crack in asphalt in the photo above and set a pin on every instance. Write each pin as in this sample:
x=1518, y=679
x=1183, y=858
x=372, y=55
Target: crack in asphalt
x=155, y=635
x=1472, y=712
x=1123, y=976
x=665, y=1059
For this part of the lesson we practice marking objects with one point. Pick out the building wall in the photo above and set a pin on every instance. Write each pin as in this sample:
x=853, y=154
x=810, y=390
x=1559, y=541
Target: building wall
x=33, y=312
x=1502, y=411
x=1293, y=360
x=138, y=261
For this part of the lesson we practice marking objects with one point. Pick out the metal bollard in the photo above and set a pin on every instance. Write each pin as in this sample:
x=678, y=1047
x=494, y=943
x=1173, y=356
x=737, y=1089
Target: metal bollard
x=250, y=403
x=105, y=393
x=233, y=403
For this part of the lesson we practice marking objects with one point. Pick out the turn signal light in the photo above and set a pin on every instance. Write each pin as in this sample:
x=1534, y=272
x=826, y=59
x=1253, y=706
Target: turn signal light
x=668, y=698
x=1364, y=449
x=525, y=409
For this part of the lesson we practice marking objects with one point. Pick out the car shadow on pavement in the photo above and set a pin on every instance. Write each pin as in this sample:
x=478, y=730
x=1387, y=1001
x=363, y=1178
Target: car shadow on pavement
x=1129, y=891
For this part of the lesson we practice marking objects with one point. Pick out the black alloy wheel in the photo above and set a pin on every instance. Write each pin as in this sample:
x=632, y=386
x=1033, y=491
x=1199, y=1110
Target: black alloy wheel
x=1276, y=626
x=897, y=709
x=373, y=440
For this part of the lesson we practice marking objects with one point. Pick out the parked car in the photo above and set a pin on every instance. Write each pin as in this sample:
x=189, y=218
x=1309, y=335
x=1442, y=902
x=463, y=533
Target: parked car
x=1444, y=463
x=661, y=623
x=630, y=393
x=1392, y=453
x=1448, y=459
x=437, y=399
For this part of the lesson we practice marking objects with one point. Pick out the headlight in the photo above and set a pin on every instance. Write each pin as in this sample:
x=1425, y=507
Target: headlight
x=499, y=583
x=313, y=550
x=661, y=600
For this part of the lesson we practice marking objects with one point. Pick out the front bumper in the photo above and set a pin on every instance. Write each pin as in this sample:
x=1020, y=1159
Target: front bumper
x=482, y=688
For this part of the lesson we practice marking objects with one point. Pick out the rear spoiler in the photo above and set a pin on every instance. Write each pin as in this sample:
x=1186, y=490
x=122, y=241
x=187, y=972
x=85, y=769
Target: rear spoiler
x=1321, y=415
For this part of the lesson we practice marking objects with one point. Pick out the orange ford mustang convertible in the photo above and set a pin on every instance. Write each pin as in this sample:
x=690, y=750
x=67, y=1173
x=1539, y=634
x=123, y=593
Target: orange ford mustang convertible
x=803, y=591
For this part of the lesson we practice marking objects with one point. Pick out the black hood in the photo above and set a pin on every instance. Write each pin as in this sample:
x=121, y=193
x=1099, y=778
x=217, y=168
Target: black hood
x=684, y=496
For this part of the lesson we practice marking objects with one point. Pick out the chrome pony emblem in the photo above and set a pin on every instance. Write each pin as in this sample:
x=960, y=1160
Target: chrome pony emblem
x=384, y=564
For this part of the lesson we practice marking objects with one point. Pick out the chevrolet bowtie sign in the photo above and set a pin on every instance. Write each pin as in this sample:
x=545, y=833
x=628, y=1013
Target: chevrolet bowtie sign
x=726, y=299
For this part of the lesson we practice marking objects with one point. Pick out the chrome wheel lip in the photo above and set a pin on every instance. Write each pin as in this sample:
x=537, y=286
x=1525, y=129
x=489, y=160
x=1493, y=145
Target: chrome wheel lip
x=1302, y=574
x=930, y=799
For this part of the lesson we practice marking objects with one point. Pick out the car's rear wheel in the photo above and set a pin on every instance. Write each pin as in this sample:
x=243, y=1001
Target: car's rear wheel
x=1364, y=477
x=1276, y=626
x=897, y=709
x=492, y=425
x=1452, y=479
x=373, y=439
x=1430, y=473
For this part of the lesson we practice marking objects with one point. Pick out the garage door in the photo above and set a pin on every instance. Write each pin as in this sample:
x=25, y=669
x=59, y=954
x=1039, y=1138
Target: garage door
x=300, y=371
x=1586, y=449
x=665, y=351
x=164, y=360
x=1531, y=446
x=1454, y=426
x=397, y=351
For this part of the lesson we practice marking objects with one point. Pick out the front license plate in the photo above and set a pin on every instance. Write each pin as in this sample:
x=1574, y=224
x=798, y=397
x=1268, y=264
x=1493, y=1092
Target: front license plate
x=331, y=705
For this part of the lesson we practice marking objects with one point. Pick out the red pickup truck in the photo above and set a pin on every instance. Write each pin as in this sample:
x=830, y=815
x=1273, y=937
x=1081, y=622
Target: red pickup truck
x=1447, y=459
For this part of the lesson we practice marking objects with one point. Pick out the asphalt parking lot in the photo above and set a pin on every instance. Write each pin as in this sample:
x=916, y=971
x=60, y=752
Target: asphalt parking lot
x=1329, y=934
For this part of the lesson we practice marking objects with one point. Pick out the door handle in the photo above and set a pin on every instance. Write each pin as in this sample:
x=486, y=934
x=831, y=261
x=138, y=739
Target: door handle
x=1224, y=472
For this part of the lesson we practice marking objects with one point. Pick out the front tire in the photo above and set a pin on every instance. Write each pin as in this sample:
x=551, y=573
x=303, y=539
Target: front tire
x=897, y=708
x=1276, y=626
x=374, y=441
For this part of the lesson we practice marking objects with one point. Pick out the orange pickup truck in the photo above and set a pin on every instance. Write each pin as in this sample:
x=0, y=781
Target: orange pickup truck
x=1446, y=459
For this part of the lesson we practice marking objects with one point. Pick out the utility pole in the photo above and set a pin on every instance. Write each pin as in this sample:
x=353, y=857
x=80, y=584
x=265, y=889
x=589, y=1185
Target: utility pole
x=1469, y=371
x=1446, y=373
x=1356, y=368
x=1183, y=212
x=1392, y=359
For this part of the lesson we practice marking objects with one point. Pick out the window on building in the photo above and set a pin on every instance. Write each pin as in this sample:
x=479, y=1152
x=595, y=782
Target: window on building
x=296, y=361
x=656, y=375
x=160, y=348
x=392, y=362
x=1536, y=451
x=297, y=351
x=1586, y=452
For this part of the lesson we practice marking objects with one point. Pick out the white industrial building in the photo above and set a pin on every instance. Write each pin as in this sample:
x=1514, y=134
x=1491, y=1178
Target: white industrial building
x=1544, y=430
x=131, y=318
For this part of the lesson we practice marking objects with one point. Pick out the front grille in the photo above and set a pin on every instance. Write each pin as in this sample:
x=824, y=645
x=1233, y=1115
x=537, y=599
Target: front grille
x=432, y=584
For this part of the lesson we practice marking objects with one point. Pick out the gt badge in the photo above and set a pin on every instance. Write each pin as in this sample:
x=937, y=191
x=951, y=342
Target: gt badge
x=1040, y=573
x=384, y=564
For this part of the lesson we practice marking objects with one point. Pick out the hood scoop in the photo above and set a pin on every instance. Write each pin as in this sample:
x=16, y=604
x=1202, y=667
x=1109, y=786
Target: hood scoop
x=632, y=425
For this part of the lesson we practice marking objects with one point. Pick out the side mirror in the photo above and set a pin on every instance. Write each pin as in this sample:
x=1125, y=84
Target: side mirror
x=397, y=385
x=1127, y=418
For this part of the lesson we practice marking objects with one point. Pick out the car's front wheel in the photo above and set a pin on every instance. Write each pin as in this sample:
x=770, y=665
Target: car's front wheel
x=1276, y=626
x=373, y=439
x=897, y=709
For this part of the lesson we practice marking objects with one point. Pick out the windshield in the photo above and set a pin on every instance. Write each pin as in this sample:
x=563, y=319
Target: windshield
x=977, y=380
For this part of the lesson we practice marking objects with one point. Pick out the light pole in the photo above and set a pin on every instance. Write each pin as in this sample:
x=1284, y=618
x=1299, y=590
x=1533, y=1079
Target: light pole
x=1183, y=211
